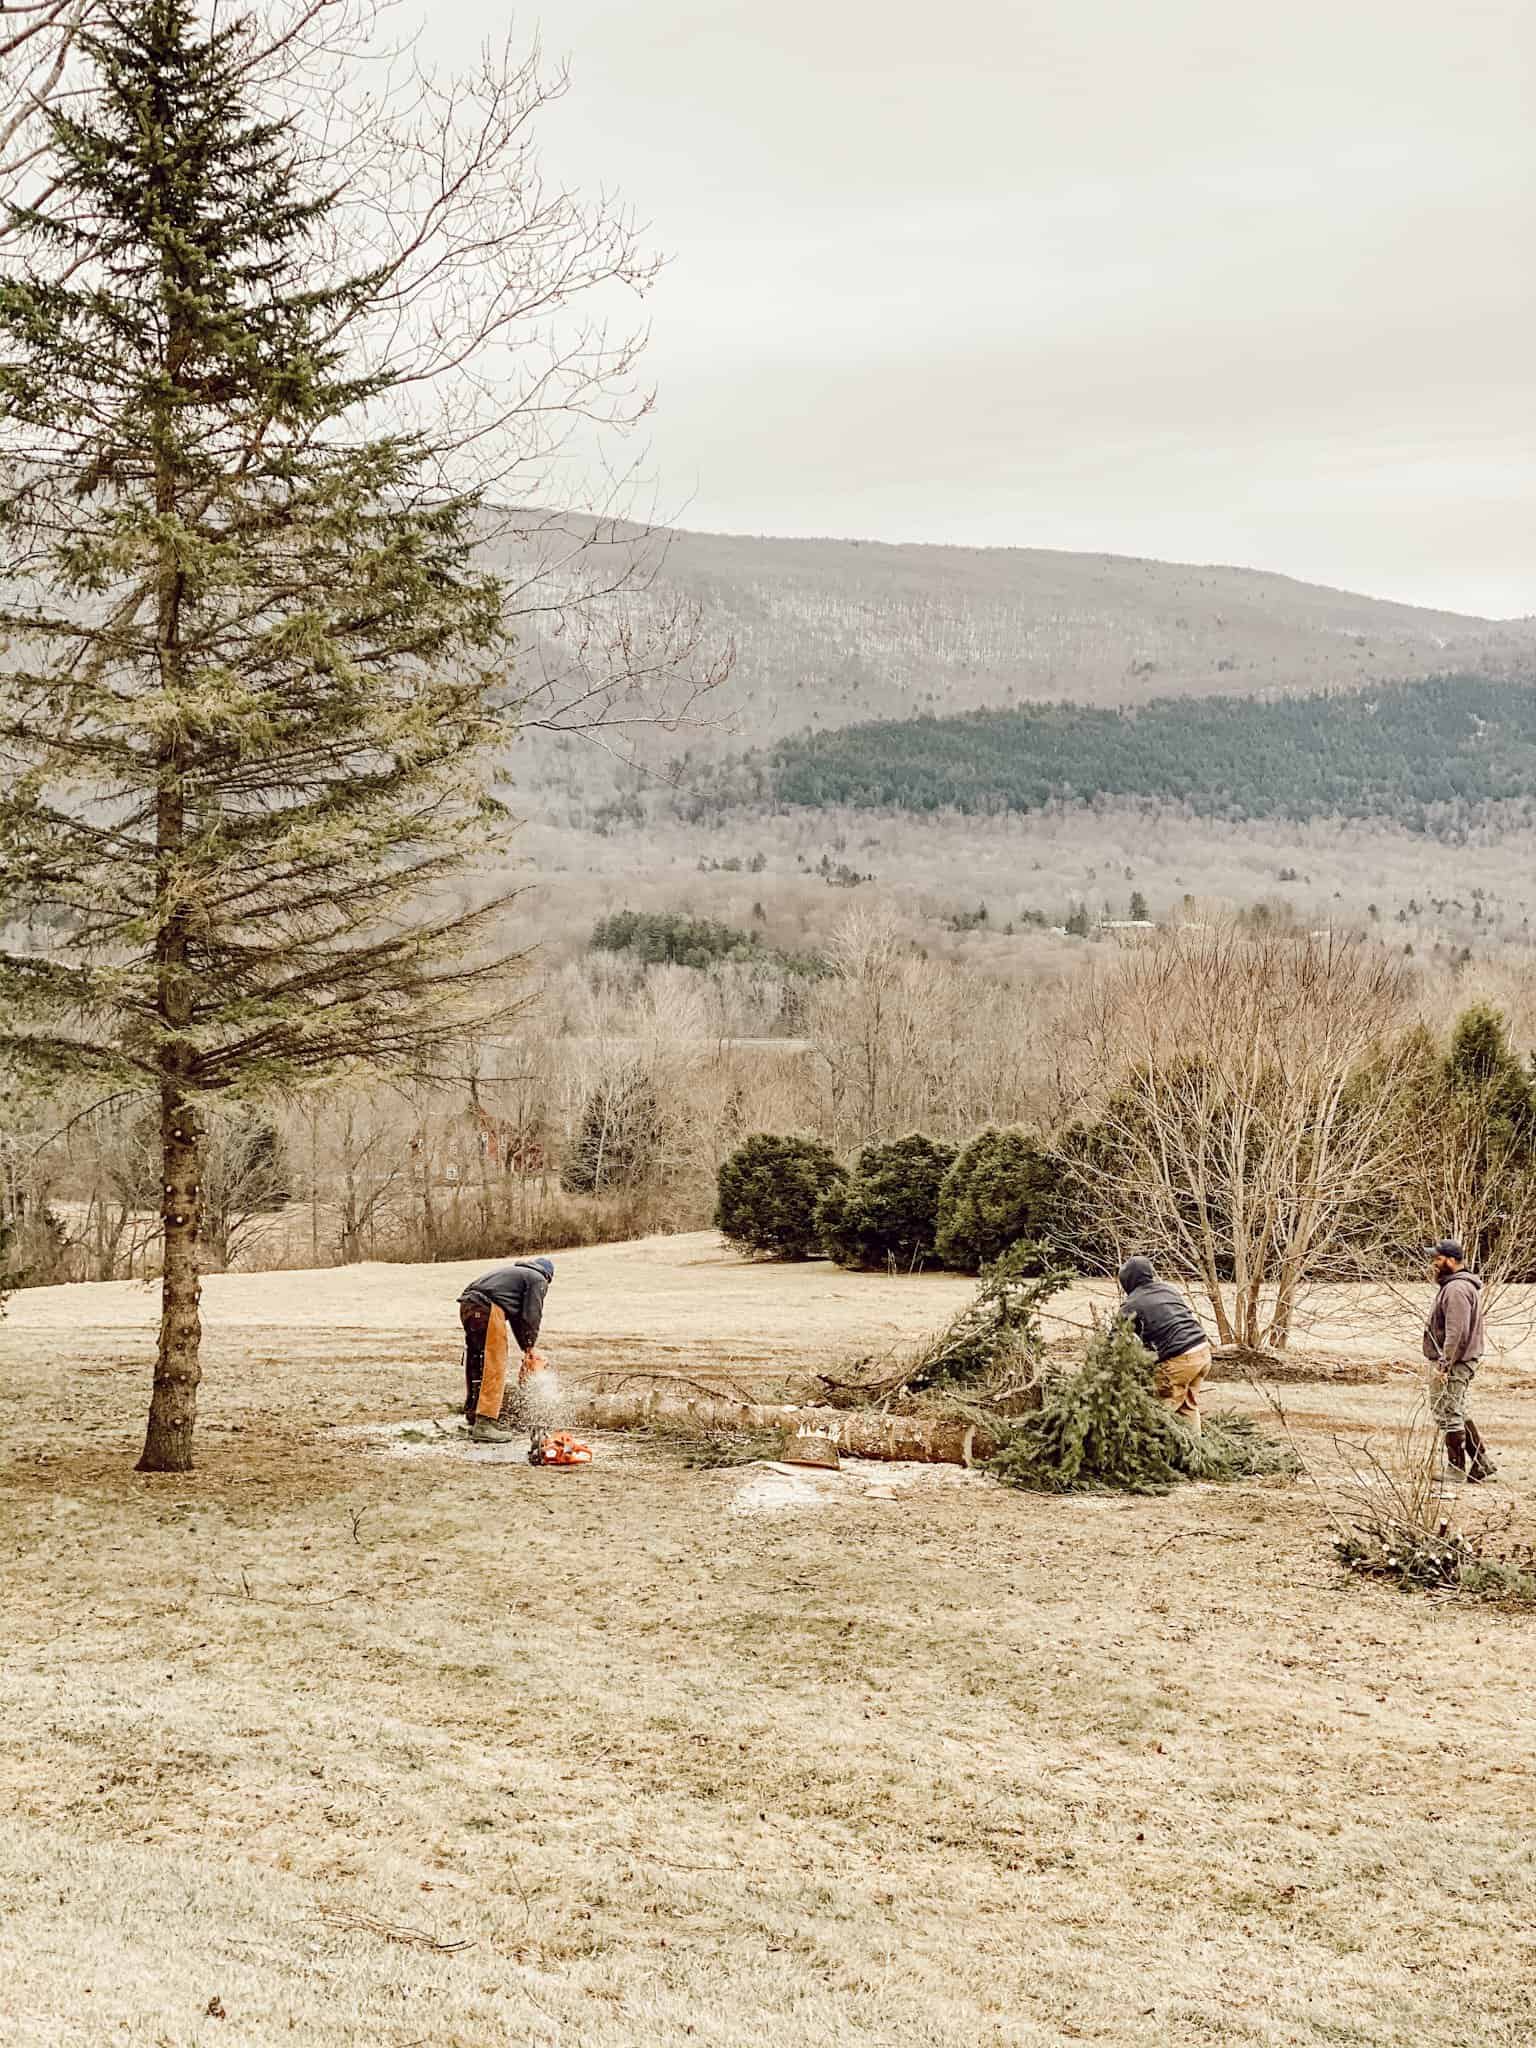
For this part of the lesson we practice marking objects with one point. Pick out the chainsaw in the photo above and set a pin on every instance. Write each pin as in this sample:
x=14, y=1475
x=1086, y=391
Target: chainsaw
x=558, y=1447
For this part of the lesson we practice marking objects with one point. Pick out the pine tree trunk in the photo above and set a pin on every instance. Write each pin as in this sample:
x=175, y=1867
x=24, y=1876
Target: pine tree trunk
x=173, y=1401
x=178, y=1369
x=314, y=1187
x=858, y=1433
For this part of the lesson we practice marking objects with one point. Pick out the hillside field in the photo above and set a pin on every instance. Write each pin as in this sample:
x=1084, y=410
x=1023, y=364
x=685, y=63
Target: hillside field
x=353, y=1737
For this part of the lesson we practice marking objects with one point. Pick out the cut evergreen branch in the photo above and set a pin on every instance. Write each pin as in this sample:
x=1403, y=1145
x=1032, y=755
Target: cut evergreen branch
x=987, y=1358
x=1103, y=1428
x=1481, y=1565
x=993, y=1349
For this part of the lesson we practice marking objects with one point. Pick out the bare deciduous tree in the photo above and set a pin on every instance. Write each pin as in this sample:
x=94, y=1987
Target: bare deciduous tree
x=906, y=1042
x=1250, y=1113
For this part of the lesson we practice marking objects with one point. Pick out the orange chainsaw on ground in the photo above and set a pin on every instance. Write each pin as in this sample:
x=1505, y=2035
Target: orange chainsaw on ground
x=559, y=1447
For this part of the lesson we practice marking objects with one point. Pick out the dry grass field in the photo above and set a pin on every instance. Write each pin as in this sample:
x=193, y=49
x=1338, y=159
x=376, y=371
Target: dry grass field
x=347, y=1739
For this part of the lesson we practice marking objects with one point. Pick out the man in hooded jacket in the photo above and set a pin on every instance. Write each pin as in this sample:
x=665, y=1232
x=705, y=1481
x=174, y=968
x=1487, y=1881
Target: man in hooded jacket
x=1454, y=1338
x=1164, y=1321
x=506, y=1303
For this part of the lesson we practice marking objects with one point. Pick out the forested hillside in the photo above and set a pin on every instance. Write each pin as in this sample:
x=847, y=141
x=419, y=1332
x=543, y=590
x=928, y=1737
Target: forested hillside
x=833, y=632
x=1429, y=755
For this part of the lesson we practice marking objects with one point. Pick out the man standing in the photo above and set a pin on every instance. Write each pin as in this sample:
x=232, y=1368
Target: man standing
x=507, y=1302
x=1170, y=1329
x=1453, y=1343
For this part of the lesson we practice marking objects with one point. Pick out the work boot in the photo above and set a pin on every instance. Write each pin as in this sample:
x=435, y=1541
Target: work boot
x=1480, y=1466
x=1455, y=1473
x=484, y=1432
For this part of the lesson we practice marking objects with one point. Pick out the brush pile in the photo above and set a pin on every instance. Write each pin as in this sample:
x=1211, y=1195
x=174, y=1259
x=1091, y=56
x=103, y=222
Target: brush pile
x=1103, y=1427
x=1394, y=1521
x=1062, y=1431
x=991, y=1355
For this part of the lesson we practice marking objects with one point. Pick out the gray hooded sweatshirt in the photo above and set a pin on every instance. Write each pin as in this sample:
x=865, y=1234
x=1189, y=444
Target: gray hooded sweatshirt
x=1454, y=1334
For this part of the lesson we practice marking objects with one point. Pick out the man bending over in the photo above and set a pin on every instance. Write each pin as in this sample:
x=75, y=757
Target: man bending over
x=500, y=1308
x=1170, y=1329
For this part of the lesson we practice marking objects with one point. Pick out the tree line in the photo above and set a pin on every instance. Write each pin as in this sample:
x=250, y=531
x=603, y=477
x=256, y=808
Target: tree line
x=1431, y=756
x=1261, y=1112
x=674, y=938
x=1259, y=1108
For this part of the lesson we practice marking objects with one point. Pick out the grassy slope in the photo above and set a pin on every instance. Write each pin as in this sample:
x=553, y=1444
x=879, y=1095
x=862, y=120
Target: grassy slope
x=967, y=1769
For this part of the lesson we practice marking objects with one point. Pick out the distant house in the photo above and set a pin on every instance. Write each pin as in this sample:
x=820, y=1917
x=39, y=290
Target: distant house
x=504, y=1146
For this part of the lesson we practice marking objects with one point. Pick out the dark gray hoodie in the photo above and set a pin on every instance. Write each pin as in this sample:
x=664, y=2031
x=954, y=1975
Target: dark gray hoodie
x=518, y=1291
x=1158, y=1313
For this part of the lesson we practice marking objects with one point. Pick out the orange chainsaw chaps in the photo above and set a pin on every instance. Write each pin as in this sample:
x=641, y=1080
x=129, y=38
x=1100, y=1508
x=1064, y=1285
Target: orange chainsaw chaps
x=563, y=1449
x=493, y=1373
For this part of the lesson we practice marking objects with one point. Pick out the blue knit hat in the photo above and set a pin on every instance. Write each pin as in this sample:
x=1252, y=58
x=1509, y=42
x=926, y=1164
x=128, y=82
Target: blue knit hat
x=545, y=1266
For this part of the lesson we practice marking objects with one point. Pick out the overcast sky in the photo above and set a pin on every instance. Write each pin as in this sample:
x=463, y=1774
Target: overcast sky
x=1207, y=280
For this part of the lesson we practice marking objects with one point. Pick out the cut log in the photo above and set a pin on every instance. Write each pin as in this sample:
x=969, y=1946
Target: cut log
x=809, y=1447
x=857, y=1433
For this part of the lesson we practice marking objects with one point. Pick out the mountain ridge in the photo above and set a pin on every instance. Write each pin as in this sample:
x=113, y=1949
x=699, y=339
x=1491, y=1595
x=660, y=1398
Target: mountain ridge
x=835, y=632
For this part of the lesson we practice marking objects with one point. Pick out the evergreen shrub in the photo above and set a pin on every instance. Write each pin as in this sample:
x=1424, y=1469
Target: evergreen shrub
x=1000, y=1190
x=886, y=1212
x=769, y=1189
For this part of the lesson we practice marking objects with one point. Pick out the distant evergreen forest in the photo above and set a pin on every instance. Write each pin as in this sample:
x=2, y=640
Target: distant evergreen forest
x=670, y=937
x=1428, y=756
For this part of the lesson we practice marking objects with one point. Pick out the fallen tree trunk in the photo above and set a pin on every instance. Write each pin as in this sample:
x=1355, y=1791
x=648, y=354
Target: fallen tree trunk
x=858, y=1433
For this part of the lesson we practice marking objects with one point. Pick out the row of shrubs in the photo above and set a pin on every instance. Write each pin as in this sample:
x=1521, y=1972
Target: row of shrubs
x=913, y=1202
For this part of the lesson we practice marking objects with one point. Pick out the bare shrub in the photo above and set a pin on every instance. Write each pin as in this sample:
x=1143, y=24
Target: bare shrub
x=551, y=1222
x=1393, y=1520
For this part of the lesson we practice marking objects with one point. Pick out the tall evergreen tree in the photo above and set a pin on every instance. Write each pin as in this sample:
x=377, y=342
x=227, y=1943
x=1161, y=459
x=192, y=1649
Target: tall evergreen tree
x=249, y=670
x=1483, y=1063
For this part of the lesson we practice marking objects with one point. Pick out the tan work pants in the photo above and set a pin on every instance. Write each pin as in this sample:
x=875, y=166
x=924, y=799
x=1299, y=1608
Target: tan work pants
x=1178, y=1383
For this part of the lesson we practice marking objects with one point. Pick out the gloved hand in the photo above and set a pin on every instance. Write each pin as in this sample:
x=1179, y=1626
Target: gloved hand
x=533, y=1361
